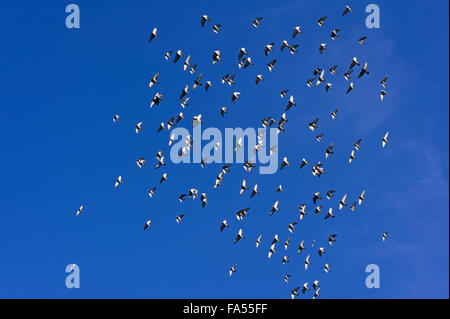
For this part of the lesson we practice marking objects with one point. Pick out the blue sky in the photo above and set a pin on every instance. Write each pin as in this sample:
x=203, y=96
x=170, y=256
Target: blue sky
x=60, y=88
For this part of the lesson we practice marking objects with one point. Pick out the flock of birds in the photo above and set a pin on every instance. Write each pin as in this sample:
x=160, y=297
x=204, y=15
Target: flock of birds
x=245, y=61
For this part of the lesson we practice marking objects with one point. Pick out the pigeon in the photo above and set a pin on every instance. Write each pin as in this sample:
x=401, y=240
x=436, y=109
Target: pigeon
x=216, y=28
x=383, y=81
x=294, y=292
x=361, y=197
x=304, y=162
x=242, y=52
x=363, y=70
x=284, y=163
x=192, y=69
x=297, y=30
x=321, y=78
x=317, y=210
x=274, y=208
x=293, y=49
x=330, y=194
x=156, y=99
x=224, y=225
x=321, y=21
x=216, y=57
x=356, y=144
x=271, y=65
x=347, y=10
x=204, y=20
x=305, y=288
x=79, y=211
x=271, y=251
x=321, y=251
x=333, y=69
x=248, y=62
x=254, y=191
x=352, y=157
x=385, y=235
x=303, y=212
x=330, y=213
x=354, y=62
x=331, y=239
x=178, y=55
x=316, y=197
x=139, y=127
x=291, y=227
x=275, y=239
x=161, y=127
x=179, y=218
x=140, y=162
x=342, y=202
x=334, y=34
x=258, y=241
x=187, y=63
x=233, y=269
x=334, y=114
x=243, y=187
x=197, y=82
x=316, y=293
x=223, y=111
x=151, y=192
x=385, y=141
x=301, y=247
x=347, y=75
x=268, y=48
x=208, y=85
x=259, y=78
x=184, y=92
x=118, y=181
x=167, y=55
x=256, y=22
x=163, y=178
x=307, y=262
x=313, y=125
x=147, y=224
x=290, y=103
x=239, y=236
x=154, y=80
x=350, y=88
x=235, y=96
x=316, y=284
x=153, y=35
x=287, y=243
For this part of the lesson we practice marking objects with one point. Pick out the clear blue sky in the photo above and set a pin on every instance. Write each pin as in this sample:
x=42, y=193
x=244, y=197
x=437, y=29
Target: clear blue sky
x=60, y=88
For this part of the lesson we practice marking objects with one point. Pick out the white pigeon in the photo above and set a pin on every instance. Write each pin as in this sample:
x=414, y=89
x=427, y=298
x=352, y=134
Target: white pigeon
x=385, y=139
x=118, y=181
